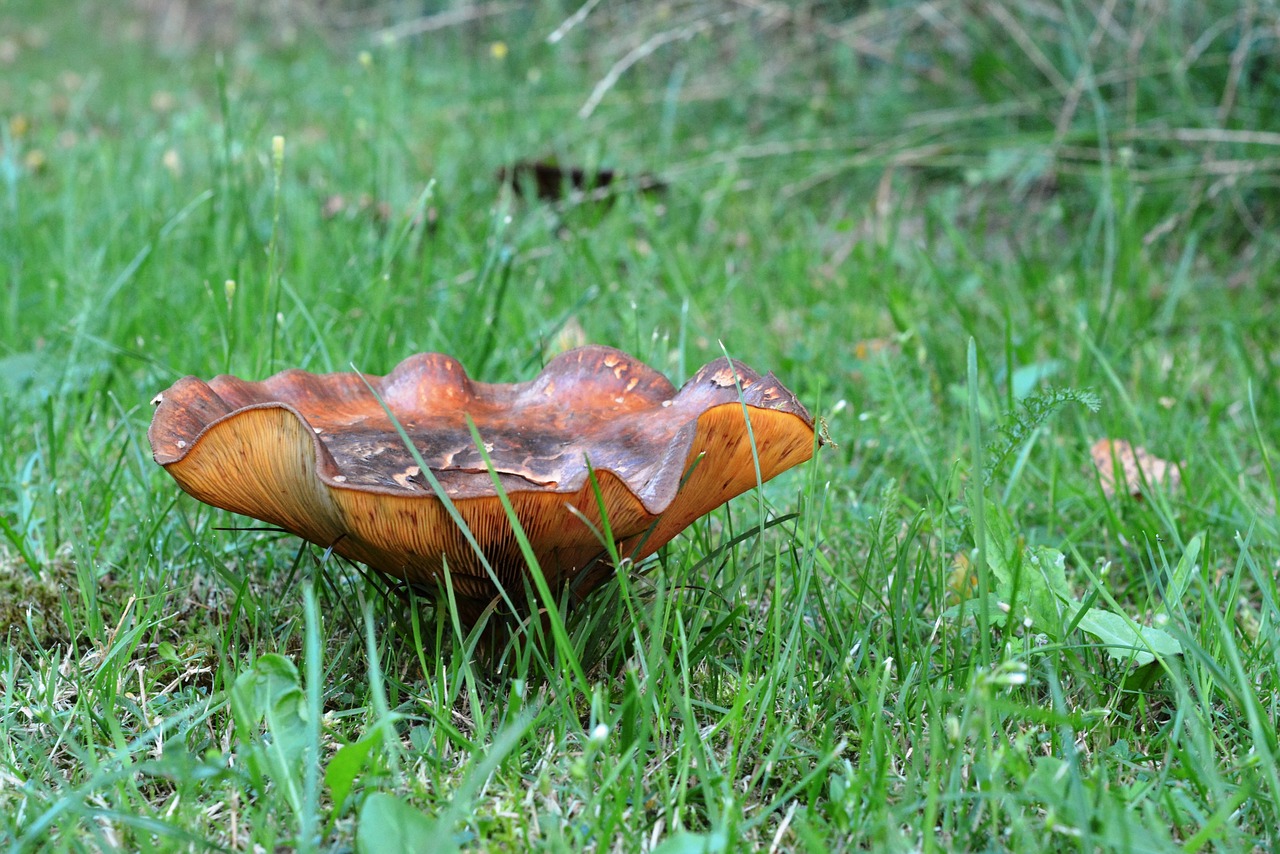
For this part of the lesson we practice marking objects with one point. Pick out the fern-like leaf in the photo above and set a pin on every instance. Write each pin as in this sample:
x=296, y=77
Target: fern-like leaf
x=1021, y=423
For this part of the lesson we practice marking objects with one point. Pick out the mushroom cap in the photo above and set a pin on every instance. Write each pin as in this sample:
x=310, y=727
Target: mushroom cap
x=317, y=456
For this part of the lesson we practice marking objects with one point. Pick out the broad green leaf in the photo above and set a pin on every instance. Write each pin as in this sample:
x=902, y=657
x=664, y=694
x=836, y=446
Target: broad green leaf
x=1180, y=580
x=1072, y=800
x=1047, y=781
x=1027, y=378
x=390, y=826
x=347, y=764
x=1035, y=577
x=1044, y=580
x=970, y=607
x=269, y=693
x=1126, y=640
x=1002, y=550
x=685, y=842
x=261, y=687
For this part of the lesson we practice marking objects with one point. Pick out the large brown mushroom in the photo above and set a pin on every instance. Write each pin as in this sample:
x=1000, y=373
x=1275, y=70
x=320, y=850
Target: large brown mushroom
x=317, y=456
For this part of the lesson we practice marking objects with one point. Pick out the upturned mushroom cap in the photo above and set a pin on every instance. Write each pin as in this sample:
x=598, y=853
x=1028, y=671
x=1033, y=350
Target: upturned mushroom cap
x=317, y=456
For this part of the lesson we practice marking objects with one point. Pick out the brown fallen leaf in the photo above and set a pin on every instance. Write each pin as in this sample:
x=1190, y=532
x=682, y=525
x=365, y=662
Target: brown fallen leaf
x=962, y=580
x=1136, y=465
x=552, y=182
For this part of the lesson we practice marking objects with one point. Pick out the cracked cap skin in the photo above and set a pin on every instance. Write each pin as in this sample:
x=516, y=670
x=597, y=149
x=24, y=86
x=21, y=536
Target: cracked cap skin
x=318, y=456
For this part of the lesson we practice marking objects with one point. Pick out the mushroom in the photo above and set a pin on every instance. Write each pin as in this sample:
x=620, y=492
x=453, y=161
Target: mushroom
x=318, y=456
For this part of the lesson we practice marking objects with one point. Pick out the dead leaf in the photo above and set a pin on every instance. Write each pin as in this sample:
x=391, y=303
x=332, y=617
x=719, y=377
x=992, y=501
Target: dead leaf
x=962, y=581
x=551, y=182
x=1136, y=465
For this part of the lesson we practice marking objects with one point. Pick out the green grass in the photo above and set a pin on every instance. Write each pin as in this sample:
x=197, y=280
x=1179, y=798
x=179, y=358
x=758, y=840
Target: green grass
x=919, y=216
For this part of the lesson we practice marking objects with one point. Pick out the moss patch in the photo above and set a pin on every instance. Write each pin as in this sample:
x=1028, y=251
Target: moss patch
x=31, y=607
